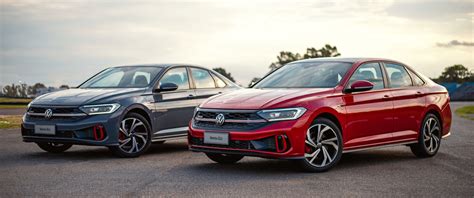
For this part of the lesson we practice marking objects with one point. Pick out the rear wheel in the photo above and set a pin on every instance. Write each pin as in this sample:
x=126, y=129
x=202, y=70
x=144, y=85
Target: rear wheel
x=429, y=139
x=224, y=158
x=134, y=136
x=54, y=147
x=323, y=146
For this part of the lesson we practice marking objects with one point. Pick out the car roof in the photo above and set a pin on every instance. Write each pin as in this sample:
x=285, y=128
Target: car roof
x=342, y=59
x=164, y=65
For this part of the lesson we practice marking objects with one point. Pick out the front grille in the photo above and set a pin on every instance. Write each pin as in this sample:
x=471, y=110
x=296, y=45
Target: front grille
x=229, y=115
x=59, y=113
x=239, y=121
x=54, y=109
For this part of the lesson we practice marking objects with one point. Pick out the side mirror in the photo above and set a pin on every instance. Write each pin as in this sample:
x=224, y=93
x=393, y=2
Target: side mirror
x=167, y=87
x=360, y=85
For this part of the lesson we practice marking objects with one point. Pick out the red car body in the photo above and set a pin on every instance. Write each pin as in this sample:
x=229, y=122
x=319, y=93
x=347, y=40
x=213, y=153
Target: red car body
x=367, y=119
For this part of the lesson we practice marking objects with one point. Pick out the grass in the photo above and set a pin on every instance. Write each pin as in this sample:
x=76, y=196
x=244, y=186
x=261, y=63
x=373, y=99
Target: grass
x=5, y=106
x=466, y=112
x=10, y=122
x=15, y=100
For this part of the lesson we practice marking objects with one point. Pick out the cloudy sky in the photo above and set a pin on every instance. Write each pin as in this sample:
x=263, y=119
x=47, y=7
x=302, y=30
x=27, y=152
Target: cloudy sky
x=66, y=41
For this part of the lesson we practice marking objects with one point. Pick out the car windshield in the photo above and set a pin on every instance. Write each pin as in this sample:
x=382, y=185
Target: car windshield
x=306, y=75
x=123, y=77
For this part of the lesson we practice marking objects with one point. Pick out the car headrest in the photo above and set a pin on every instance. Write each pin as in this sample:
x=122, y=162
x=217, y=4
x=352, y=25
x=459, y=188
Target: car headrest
x=367, y=75
x=140, y=80
x=396, y=76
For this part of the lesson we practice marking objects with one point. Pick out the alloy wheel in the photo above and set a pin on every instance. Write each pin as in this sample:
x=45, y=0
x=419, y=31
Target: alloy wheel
x=431, y=135
x=133, y=135
x=322, y=145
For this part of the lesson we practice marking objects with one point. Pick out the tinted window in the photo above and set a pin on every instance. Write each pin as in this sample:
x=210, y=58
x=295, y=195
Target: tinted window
x=219, y=82
x=202, y=78
x=178, y=76
x=417, y=81
x=398, y=75
x=123, y=77
x=371, y=72
x=306, y=75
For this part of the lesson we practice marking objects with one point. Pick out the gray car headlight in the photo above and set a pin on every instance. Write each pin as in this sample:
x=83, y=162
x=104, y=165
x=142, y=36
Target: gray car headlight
x=282, y=114
x=99, y=109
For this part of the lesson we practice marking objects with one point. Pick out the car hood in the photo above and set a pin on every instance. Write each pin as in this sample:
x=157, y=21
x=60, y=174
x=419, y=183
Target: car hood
x=263, y=98
x=76, y=97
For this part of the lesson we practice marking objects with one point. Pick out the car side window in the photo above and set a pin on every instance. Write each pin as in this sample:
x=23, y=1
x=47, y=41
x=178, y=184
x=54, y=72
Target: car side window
x=398, y=75
x=371, y=72
x=219, y=82
x=417, y=81
x=178, y=76
x=202, y=78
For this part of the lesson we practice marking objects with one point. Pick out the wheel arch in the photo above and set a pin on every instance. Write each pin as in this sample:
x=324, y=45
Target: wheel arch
x=332, y=115
x=435, y=111
x=142, y=110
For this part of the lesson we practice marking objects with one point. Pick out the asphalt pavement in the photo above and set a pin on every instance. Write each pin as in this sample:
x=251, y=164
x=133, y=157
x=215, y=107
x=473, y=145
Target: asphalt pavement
x=170, y=170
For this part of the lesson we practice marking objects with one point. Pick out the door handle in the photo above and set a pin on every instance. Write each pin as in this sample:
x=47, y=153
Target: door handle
x=386, y=96
x=419, y=93
x=191, y=96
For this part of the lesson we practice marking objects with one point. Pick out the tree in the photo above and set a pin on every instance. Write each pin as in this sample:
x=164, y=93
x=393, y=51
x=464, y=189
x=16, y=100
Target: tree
x=37, y=86
x=253, y=81
x=456, y=73
x=222, y=71
x=287, y=57
x=284, y=58
x=10, y=90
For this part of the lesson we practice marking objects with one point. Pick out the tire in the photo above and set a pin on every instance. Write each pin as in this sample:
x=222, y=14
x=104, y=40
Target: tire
x=224, y=158
x=134, y=136
x=323, y=146
x=54, y=147
x=429, y=139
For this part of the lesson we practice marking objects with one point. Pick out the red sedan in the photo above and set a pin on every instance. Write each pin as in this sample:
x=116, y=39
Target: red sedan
x=314, y=110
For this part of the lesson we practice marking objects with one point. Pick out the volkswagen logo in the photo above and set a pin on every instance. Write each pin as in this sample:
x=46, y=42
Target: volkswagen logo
x=220, y=119
x=48, y=113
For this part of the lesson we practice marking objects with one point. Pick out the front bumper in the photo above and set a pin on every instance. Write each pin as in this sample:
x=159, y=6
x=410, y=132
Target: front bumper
x=282, y=140
x=76, y=131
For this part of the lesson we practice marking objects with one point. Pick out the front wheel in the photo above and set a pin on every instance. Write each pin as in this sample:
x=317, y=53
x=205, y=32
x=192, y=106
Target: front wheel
x=224, y=158
x=323, y=146
x=54, y=147
x=429, y=139
x=134, y=136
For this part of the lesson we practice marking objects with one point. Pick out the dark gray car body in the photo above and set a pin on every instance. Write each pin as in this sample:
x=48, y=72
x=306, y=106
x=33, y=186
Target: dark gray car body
x=167, y=112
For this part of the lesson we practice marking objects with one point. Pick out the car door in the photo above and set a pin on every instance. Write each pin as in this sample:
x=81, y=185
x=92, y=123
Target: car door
x=205, y=84
x=408, y=102
x=369, y=113
x=174, y=109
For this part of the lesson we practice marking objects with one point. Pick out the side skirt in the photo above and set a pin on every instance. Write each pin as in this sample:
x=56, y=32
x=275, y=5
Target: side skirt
x=378, y=147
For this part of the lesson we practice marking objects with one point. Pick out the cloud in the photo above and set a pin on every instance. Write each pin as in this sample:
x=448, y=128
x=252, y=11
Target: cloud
x=431, y=9
x=455, y=43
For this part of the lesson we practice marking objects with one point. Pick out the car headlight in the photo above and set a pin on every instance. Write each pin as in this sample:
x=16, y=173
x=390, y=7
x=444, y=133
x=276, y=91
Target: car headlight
x=282, y=114
x=99, y=109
